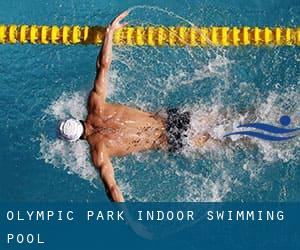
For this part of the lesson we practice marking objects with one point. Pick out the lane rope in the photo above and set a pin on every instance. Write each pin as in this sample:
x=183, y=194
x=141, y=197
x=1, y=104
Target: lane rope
x=152, y=35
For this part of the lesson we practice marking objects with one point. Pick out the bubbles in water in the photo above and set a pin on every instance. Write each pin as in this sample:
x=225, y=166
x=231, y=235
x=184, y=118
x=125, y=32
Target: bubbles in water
x=68, y=105
x=73, y=157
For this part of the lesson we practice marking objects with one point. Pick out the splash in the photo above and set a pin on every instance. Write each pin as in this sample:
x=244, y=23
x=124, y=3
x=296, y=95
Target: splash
x=212, y=189
x=68, y=105
x=192, y=184
x=217, y=86
x=217, y=120
x=73, y=158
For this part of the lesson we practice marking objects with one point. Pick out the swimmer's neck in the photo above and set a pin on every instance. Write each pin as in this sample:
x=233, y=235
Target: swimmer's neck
x=88, y=130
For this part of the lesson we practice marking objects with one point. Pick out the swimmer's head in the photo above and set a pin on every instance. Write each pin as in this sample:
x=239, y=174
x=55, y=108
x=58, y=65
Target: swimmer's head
x=70, y=130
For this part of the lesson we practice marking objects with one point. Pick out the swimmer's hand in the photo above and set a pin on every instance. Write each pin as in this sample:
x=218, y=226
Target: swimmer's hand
x=115, y=24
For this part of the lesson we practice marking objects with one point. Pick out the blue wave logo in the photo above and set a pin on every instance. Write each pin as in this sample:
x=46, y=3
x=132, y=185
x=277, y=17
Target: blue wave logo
x=279, y=133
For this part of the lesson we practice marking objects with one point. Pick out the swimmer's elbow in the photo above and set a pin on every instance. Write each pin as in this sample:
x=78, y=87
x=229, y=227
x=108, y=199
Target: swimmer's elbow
x=99, y=163
x=105, y=63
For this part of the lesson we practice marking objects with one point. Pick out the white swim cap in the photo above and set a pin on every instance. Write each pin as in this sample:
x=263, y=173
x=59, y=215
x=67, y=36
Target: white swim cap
x=70, y=130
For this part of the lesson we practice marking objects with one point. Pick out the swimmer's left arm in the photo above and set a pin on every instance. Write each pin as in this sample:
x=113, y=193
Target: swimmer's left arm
x=105, y=56
x=103, y=164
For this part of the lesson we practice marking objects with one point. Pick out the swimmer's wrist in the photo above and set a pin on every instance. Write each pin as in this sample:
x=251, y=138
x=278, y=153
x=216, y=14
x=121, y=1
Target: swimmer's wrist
x=109, y=30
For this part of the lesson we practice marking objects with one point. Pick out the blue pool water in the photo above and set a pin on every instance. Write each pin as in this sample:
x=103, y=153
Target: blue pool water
x=42, y=84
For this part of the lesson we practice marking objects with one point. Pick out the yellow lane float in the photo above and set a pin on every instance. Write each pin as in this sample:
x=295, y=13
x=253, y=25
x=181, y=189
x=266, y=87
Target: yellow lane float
x=152, y=35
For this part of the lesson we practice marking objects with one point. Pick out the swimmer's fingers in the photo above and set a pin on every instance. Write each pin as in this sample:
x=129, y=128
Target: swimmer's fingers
x=122, y=25
x=115, y=24
x=122, y=16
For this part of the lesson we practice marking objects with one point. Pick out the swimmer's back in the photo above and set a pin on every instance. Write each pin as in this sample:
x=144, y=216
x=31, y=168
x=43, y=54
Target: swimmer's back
x=126, y=130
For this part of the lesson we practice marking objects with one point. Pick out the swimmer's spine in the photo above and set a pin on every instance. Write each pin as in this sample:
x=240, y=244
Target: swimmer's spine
x=152, y=36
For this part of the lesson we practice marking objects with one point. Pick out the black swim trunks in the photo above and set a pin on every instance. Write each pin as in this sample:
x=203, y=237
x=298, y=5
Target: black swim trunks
x=177, y=125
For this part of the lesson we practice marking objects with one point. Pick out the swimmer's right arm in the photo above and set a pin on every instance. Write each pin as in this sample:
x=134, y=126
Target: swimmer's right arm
x=105, y=56
x=103, y=164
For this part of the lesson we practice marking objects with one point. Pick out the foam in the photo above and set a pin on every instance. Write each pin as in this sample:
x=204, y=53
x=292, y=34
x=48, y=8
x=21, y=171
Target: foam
x=200, y=188
x=217, y=123
x=68, y=105
x=72, y=157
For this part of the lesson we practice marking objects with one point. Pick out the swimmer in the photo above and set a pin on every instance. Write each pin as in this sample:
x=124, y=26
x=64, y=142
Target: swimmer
x=114, y=130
